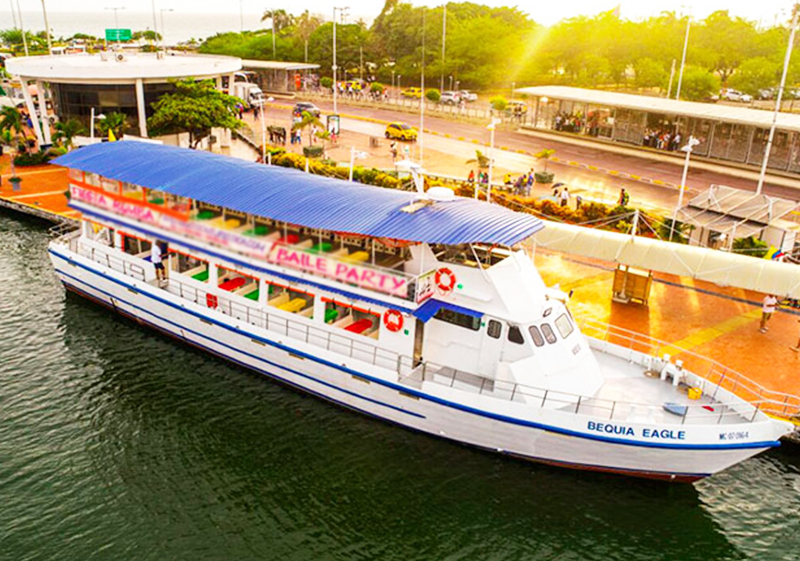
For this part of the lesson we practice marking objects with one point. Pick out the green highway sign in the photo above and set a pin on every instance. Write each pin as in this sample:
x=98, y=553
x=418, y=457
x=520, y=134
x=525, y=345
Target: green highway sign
x=118, y=34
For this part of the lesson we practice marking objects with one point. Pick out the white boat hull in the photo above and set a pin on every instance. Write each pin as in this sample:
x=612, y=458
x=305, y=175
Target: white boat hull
x=516, y=429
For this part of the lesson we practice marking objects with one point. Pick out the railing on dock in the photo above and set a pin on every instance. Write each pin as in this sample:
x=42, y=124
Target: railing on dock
x=716, y=380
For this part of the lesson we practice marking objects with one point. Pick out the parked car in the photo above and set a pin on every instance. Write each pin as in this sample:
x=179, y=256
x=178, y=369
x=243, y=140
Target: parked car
x=766, y=93
x=401, y=131
x=301, y=106
x=449, y=98
x=735, y=95
x=468, y=96
x=412, y=92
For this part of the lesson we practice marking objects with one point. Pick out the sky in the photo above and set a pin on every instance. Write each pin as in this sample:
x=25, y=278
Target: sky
x=764, y=11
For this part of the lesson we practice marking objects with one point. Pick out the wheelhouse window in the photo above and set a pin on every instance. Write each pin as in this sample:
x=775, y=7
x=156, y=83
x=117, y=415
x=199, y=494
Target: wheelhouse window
x=549, y=335
x=536, y=335
x=564, y=326
x=515, y=335
x=459, y=319
x=495, y=329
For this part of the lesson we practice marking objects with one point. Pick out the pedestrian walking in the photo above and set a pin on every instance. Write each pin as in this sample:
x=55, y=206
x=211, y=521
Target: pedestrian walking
x=623, y=197
x=767, y=309
x=393, y=150
x=564, y=196
x=578, y=202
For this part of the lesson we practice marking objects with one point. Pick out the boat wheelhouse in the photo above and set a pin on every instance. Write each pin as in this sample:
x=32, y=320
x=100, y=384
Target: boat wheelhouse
x=420, y=308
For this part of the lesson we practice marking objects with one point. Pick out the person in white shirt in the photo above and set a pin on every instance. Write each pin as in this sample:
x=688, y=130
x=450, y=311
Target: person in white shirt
x=156, y=259
x=767, y=309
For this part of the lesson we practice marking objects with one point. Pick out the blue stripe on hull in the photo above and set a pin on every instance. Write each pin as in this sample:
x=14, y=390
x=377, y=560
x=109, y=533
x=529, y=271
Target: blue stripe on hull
x=408, y=390
x=659, y=475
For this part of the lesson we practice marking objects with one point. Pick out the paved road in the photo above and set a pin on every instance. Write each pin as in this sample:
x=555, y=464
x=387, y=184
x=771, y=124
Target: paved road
x=671, y=172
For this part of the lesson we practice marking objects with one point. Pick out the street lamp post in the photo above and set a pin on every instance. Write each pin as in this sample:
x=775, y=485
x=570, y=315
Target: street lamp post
x=116, y=20
x=444, y=38
x=393, y=80
x=241, y=17
x=688, y=149
x=47, y=29
x=22, y=30
x=451, y=82
x=163, y=29
x=778, y=99
x=341, y=10
x=492, y=126
x=513, y=87
x=683, y=58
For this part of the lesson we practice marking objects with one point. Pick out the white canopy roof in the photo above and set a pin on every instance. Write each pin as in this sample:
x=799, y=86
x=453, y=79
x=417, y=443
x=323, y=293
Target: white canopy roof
x=720, y=267
x=278, y=65
x=711, y=111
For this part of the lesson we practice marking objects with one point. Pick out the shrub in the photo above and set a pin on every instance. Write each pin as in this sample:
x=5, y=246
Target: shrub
x=433, y=95
x=750, y=246
x=313, y=151
x=498, y=102
x=376, y=87
x=32, y=159
x=543, y=177
x=326, y=82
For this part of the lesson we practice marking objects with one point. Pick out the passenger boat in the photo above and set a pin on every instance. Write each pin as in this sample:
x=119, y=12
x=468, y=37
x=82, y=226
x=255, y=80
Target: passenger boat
x=420, y=308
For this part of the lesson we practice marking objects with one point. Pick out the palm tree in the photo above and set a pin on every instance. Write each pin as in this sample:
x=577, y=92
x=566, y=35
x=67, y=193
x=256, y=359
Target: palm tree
x=113, y=122
x=280, y=19
x=305, y=25
x=67, y=130
x=11, y=120
x=310, y=121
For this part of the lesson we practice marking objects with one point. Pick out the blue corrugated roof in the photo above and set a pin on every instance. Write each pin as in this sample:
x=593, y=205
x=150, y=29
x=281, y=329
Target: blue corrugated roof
x=296, y=197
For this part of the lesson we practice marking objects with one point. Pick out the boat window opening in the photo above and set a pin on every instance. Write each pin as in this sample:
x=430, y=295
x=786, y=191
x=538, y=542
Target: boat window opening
x=131, y=191
x=294, y=301
x=364, y=323
x=205, y=211
x=495, y=329
x=155, y=197
x=177, y=203
x=536, y=335
x=549, y=335
x=459, y=319
x=75, y=174
x=189, y=266
x=236, y=282
x=110, y=186
x=102, y=234
x=135, y=246
x=92, y=179
x=259, y=227
x=337, y=313
x=564, y=326
x=515, y=335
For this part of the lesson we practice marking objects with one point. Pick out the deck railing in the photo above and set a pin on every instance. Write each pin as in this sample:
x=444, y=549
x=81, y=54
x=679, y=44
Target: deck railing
x=710, y=375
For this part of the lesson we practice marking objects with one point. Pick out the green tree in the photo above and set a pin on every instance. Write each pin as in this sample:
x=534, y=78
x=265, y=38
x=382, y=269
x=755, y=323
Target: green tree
x=650, y=73
x=196, y=108
x=498, y=103
x=433, y=95
x=12, y=132
x=755, y=74
x=698, y=83
x=114, y=122
x=67, y=130
x=305, y=25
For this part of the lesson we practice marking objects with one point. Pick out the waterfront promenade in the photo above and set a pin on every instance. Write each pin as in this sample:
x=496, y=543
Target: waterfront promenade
x=718, y=322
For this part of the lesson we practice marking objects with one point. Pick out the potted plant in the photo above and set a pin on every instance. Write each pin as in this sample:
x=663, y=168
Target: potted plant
x=544, y=176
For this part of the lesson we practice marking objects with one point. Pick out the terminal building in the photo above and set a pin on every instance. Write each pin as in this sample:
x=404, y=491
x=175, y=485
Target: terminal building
x=726, y=133
x=129, y=83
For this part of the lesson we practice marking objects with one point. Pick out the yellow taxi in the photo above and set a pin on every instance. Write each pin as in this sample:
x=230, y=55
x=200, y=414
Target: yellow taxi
x=401, y=131
x=412, y=92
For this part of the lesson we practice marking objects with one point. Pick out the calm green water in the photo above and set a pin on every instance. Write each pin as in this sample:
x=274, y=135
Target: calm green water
x=117, y=443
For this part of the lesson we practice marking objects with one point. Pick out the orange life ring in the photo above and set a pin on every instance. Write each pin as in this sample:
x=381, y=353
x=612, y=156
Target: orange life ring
x=445, y=279
x=393, y=320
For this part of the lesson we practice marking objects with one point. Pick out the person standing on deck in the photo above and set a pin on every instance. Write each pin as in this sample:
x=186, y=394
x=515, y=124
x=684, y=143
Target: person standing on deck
x=156, y=254
x=767, y=309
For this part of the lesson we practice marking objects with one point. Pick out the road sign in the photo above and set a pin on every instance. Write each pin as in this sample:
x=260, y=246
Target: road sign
x=118, y=34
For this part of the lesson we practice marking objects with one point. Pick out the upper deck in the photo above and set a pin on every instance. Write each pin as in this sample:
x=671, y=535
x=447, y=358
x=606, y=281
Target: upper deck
x=349, y=233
